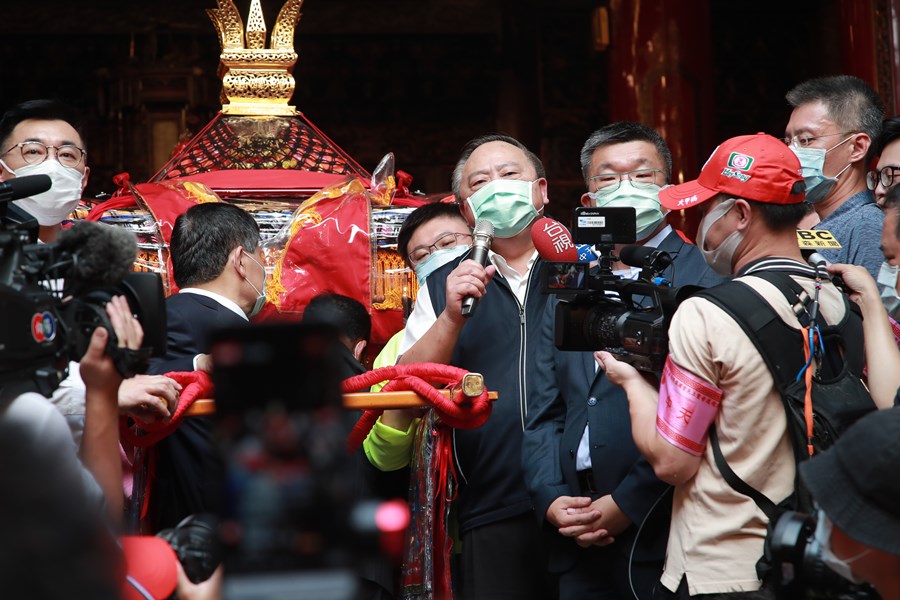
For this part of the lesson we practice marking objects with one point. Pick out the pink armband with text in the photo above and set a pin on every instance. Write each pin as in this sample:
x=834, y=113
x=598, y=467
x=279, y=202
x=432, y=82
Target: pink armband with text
x=687, y=407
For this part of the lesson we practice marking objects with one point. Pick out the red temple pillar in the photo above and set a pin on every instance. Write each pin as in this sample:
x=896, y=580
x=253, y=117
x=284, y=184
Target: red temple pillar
x=661, y=74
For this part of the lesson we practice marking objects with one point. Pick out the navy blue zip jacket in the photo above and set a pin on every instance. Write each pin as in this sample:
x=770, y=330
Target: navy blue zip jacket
x=498, y=341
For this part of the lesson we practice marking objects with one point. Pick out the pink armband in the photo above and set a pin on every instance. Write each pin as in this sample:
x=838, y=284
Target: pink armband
x=895, y=327
x=687, y=407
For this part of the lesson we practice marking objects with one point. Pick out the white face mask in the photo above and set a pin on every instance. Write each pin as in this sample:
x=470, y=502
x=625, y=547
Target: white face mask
x=719, y=258
x=841, y=566
x=887, y=287
x=812, y=164
x=260, y=293
x=54, y=205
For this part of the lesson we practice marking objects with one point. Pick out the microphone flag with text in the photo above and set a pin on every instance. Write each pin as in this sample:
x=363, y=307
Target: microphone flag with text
x=554, y=243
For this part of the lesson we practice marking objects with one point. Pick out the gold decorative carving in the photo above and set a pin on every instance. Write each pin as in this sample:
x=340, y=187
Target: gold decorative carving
x=256, y=80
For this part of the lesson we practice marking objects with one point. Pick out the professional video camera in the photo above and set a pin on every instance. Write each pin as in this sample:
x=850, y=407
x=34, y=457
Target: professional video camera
x=792, y=550
x=599, y=310
x=54, y=296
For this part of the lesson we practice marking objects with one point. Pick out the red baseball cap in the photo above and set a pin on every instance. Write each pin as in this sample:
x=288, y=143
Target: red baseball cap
x=151, y=569
x=753, y=167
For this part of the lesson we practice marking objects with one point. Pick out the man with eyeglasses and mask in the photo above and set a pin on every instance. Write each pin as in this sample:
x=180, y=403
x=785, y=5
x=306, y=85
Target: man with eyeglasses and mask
x=39, y=137
x=834, y=122
x=881, y=181
x=499, y=180
x=43, y=137
x=586, y=477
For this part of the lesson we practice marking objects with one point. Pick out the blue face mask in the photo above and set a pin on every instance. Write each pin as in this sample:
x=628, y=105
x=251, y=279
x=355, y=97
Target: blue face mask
x=812, y=163
x=507, y=204
x=438, y=259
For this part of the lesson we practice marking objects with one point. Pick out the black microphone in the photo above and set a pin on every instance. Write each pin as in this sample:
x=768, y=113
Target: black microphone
x=23, y=187
x=645, y=256
x=481, y=243
x=102, y=254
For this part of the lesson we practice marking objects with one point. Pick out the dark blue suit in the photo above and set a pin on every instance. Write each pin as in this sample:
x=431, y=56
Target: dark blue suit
x=189, y=470
x=571, y=392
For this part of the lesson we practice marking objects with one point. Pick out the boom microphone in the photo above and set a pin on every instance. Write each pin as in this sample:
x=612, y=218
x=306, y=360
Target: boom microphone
x=554, y=243
x=645, y=256
x=102, y=254
x=482, y=237
x=23, y=187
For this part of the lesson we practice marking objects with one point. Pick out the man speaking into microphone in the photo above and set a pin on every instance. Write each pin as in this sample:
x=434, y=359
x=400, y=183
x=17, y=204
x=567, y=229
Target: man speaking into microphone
x=497, y=180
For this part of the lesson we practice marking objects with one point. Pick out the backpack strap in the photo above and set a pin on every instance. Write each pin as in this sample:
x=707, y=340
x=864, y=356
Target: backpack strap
x=770, y=335
x=734, y=480
x=772, y=338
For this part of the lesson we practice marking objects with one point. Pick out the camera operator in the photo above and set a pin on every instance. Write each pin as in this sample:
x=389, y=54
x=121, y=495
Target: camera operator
x=44, y=137
x=56, y=538
x=751, y=193
x=585, y=476
x=858, y=493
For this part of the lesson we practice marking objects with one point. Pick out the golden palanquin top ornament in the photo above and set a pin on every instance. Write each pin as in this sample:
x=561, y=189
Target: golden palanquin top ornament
x=256, y=80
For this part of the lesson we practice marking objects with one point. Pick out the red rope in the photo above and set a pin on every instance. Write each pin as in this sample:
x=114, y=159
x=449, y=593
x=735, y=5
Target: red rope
x=458, y=411
x=194, y=385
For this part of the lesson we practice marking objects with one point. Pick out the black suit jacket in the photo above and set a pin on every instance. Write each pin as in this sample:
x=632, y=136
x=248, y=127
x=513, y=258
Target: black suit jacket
x=571, y=392
x=189, y=471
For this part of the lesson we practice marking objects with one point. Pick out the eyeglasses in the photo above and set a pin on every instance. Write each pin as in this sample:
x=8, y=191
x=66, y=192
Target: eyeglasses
x=641, y=178
x=886, y=176
x=34, y=153
x=803, y=140
x=445, y=241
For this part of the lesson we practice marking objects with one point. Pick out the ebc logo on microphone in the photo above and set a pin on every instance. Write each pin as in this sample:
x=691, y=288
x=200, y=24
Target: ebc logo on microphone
x=43, y=327
x=816, y=238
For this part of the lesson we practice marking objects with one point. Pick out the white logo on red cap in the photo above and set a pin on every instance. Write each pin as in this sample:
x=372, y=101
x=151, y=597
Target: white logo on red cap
x=685, y=202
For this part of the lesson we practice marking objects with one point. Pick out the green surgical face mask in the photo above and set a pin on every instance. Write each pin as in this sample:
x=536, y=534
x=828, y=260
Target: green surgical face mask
x=507, y=204
x=644, y=198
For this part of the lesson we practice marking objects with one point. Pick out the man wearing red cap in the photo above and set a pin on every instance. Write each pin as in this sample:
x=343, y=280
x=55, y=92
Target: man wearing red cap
x=751, y=194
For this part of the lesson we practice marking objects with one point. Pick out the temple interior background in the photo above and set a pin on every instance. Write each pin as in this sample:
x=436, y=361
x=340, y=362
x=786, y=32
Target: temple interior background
x=421, y=77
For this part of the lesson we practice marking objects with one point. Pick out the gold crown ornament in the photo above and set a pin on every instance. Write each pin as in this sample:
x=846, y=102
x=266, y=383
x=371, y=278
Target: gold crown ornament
x=256, y=80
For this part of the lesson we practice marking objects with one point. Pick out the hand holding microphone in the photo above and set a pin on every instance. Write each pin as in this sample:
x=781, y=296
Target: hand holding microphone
x=482, y=236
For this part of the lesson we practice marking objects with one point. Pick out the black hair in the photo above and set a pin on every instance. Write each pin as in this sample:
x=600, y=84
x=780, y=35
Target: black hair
x=851, y=102
x=419, y=217
x=621, y=132
x=347, y=315
x=890, y=131
x=779, y=217
x=41, y=110
x=204, y=236
x=472, y=145
x=892, y=202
